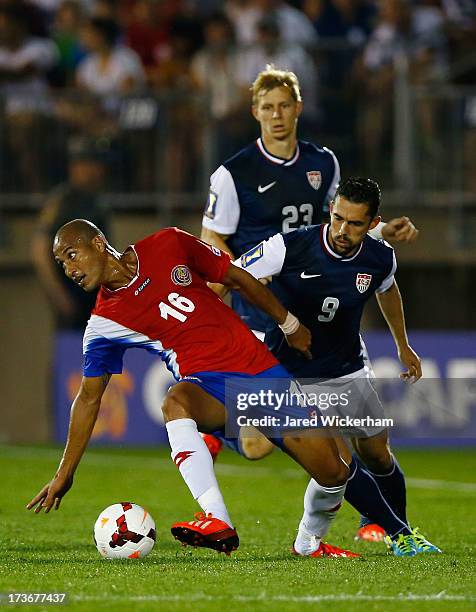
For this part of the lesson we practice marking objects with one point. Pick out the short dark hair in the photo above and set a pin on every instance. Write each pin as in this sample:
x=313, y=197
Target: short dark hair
x=361, y=191
x=107, y=28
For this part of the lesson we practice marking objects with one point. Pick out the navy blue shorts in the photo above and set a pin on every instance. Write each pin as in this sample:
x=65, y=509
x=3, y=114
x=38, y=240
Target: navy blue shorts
x=230, y=388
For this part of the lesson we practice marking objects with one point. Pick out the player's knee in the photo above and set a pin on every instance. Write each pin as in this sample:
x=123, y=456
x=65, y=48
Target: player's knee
x=376, y=454
x=174, y=406
x=336, y=474
x=341, y=473
x=380, y=461
x=256, y=448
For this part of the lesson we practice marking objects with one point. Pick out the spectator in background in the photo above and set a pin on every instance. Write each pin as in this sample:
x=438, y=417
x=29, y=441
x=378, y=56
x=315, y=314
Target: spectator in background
x=415, y=33
x=173, y=81
x=271, y=48
x=24, y=65
x=104, y=77
x=78, y=197
x=345, y=19
x=294, y=25
x=148, y=33
x=50, y=7
x=343, y=27
x=109, y=70
x=214, y=71
x=245, y=15
x=66, y=32
x=106, y=9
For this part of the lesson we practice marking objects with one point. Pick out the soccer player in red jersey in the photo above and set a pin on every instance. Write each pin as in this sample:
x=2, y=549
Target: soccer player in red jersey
x=155, y=296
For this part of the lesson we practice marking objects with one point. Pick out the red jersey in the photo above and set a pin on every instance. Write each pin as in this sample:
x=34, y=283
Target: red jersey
x=168, y=309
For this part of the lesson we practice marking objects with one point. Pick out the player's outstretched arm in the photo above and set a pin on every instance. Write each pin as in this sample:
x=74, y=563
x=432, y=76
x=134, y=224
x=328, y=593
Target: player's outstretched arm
x=391, y=305
x=84, y=413
x=297, y=335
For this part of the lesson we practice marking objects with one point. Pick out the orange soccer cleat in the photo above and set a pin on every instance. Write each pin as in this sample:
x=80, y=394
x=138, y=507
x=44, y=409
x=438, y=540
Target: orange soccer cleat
x=207, y=532
x=214, y=445
x=370, y=533
x=327, y=550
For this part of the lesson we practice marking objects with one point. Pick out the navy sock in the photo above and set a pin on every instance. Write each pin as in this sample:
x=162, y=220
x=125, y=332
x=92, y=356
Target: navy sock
x=363, y=493
x=392, y=487
x=363, y=519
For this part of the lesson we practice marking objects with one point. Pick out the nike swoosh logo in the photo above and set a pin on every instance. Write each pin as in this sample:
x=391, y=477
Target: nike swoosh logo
x=266, y=187
x=304, y=275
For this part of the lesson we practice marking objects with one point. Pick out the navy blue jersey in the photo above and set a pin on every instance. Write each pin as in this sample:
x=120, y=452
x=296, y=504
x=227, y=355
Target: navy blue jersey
x=254, y=195
x=326, y=291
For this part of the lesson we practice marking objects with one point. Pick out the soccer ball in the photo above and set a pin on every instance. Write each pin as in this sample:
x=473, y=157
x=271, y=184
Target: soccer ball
x=124, y=531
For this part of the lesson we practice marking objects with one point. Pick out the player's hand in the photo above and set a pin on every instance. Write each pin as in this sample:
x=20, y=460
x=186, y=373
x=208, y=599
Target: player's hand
x=410, y=360
x=400, y=229
x=265, y=280
x=51, y=494
x=301, y=341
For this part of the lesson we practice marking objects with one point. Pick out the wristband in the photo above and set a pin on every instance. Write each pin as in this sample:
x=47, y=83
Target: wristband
x=290, y=325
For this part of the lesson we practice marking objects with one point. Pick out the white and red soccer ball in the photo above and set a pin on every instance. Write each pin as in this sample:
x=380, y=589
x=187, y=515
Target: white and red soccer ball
x=124, y=531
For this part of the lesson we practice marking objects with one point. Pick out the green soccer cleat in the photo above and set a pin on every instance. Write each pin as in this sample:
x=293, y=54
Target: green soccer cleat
x=403, y=546
x=422, y=544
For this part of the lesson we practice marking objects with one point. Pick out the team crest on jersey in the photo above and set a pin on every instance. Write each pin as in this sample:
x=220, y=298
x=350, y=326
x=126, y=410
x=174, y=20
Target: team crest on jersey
x=362, y=282
x=315, y=178
x=181, y=276
x=252, y=255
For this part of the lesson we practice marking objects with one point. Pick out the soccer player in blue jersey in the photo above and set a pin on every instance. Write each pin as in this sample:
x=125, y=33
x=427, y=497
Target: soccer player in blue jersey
x=325, y=274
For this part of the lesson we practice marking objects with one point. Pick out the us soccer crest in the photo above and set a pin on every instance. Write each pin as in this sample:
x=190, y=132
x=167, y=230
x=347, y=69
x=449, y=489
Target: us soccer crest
x=181, y=275
x=315, y=178
x=362, y=282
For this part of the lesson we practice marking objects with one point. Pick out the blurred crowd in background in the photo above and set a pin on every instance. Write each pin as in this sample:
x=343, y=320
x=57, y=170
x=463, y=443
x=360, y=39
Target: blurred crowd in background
x=156, y=83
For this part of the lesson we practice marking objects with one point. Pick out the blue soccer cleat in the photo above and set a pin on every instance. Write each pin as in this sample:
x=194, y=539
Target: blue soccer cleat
x=422, y=544
x=402, y=546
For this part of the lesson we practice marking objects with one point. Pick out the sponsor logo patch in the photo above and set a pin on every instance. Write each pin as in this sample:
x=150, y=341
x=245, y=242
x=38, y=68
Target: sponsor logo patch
x=315, y=178
x=211, y=204
x=362, y=281
x=181, y=457
x=252, y=255
x=262, y=189
x=181, y=275
x=142, y=287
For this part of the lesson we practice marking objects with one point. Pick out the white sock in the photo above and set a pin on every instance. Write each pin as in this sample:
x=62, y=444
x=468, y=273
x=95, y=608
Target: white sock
x=320, y=507
x=192, y=457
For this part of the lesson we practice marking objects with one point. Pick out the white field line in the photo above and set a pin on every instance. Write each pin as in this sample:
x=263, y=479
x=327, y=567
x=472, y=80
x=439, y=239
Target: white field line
x=263, y=597
x=240, y=471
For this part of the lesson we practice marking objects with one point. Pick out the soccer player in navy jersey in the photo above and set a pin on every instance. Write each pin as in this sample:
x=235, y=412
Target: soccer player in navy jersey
x=155, y=296
x=325, y=274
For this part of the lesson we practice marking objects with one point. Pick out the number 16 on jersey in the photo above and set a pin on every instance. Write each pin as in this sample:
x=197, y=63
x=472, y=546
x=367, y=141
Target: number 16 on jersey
x=177, y=306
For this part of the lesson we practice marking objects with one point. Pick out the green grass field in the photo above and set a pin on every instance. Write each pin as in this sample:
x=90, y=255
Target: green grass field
x=56, y=552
